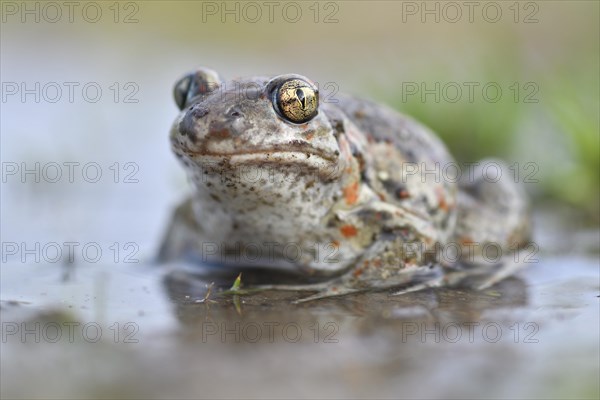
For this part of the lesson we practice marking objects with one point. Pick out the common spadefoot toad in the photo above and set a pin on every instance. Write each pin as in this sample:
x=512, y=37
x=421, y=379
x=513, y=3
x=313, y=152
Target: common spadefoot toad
x=347, y=192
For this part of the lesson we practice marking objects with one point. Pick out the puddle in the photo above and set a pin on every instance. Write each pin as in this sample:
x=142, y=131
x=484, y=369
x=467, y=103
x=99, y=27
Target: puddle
x=139, y=330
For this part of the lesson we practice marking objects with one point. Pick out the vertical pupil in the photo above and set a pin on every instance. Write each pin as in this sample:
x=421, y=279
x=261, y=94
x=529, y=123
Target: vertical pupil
x=300, y=96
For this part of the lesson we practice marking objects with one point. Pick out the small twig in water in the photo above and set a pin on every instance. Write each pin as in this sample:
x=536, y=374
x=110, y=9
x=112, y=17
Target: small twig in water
x=207, y=295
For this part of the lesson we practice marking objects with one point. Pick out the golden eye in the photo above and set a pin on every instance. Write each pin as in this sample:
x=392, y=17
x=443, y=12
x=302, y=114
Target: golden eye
x=297, y=101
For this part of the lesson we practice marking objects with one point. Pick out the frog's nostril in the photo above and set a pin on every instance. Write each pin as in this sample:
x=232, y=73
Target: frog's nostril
x=234, y=112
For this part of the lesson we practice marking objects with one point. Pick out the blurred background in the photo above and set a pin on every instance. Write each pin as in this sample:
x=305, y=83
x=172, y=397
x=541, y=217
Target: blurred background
x=90, y=88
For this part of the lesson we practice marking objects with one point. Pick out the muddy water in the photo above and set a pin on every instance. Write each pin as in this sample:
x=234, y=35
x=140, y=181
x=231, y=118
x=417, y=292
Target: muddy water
x=144, y=331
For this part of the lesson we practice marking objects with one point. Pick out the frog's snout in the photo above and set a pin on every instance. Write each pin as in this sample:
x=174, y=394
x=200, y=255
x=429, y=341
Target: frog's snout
x=188, y=126
x=200, y=124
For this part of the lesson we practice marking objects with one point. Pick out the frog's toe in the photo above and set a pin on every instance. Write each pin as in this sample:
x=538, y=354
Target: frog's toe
x=310, y=287
x=447, y=279
x=507, y=269
x=323, y=290
x=325, y=294
x=432, y=283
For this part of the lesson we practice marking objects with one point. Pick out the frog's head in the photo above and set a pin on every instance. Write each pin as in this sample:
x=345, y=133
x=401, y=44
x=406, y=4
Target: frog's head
x=255, y=121
x=262, y=127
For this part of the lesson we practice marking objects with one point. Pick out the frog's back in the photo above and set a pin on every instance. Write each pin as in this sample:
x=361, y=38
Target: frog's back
x=404, y=160
x=383, y=124
x=469, y=209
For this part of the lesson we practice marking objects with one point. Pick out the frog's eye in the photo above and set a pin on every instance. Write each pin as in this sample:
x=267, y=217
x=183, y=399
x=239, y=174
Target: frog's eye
x=296, y=100
x=195, y=83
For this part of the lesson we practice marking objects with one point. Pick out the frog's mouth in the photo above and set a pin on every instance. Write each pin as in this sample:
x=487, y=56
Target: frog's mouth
x=327, y=166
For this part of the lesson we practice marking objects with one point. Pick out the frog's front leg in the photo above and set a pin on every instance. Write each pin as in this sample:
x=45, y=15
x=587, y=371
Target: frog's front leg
x=182, y=235
x=386, y=264
x=399, y=253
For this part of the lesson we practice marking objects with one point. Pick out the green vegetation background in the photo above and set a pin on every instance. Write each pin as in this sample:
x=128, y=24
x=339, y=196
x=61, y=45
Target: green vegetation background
x=375, y=48
x=550, y=50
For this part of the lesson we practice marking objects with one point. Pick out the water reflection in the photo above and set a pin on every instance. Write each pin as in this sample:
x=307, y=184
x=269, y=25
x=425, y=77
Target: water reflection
x=361, y=313
x=505, y=339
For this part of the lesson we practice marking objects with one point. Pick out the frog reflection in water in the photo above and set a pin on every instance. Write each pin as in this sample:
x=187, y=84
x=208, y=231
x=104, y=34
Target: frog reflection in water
x=344, y=192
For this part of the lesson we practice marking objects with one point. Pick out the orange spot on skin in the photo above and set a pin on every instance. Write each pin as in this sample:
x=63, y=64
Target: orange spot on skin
x=403, y=194
x=441, y=198
x=220, y=133
x=351, y=193
x=348, y=230
x=466, y=240
x=335, y=244
x=310, y=135
x=357, y=272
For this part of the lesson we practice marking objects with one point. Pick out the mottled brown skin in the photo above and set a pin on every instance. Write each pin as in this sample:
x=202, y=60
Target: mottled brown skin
x=344, y=184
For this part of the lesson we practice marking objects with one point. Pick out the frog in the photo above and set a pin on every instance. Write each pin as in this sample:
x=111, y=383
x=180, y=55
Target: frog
x=344, y=193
